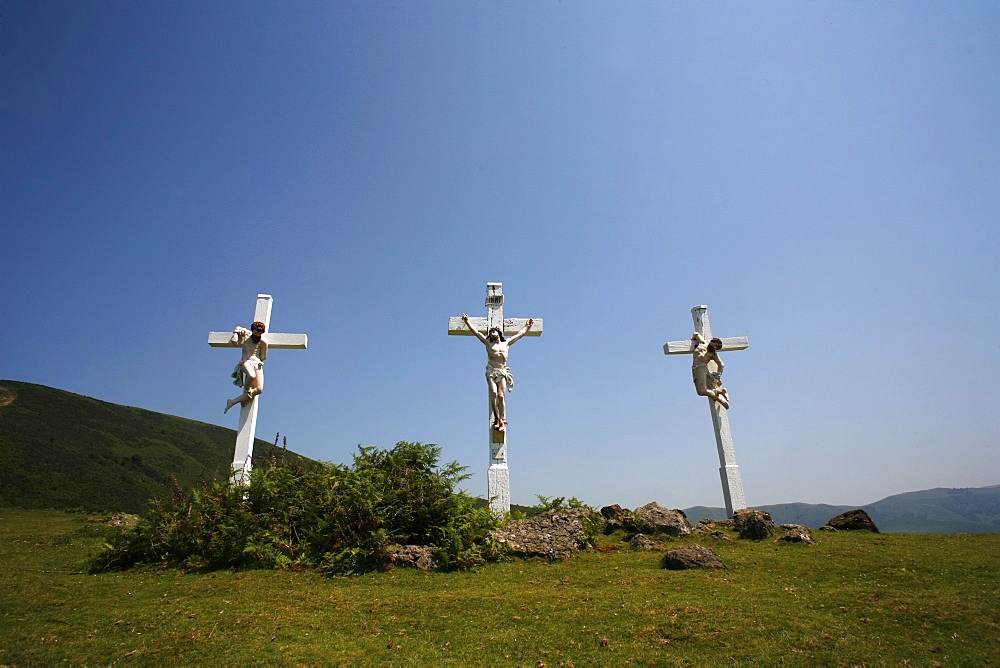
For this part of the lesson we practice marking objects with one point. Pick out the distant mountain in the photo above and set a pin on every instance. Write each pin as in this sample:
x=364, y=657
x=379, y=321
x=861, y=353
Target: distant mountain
x=61, y=450
x=939, y=510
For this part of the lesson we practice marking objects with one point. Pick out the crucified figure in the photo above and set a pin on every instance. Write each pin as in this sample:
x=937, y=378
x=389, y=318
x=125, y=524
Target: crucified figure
x=498, y=375
x=708, y=383
x=249, y=373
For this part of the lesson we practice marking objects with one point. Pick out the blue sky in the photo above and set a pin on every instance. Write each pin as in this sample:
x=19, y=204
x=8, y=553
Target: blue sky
x=824, y=176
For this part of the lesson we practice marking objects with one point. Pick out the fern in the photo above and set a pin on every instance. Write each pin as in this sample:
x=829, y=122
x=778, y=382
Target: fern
x=337, y=519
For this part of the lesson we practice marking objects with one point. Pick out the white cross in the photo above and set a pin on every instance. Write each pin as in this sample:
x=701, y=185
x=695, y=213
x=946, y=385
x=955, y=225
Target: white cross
x=732, y=484
x=498, y=475
x=242, y=459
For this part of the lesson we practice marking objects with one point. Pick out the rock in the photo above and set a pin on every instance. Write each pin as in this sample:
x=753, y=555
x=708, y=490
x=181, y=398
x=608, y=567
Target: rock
x=556, y=534
x=753, y=524
x=640, y=542
x=616, y=517
x=654, y=518
x=709, y=528
x=852, y=520
x=796, y=533
x=414, y=556
x=691, y=556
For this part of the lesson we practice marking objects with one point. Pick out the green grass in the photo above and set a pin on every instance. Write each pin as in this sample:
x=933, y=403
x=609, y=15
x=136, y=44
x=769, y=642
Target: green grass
x=853, y=599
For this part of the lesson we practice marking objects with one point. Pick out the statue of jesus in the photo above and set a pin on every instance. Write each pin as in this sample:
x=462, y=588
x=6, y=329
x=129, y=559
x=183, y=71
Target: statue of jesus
x=498, y=375
x=249, y=373
x=706, y=382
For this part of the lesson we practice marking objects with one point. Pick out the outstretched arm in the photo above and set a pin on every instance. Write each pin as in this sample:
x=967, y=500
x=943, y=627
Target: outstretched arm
x=524, y=330
x=240, y=335
x=479, y=335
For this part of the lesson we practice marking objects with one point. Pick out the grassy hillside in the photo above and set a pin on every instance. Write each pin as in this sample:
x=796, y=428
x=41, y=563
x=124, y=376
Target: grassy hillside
x=853, y=599
x=941, y=510
x=65, y=451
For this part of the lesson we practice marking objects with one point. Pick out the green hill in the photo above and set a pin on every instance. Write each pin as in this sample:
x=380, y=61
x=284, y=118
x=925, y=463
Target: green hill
x=61, y=450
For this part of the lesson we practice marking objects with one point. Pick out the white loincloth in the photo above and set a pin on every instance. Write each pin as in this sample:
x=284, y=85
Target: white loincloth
x=497, y=374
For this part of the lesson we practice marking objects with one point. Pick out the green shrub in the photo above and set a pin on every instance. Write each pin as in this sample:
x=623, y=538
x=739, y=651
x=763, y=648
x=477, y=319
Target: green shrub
x=334, y=518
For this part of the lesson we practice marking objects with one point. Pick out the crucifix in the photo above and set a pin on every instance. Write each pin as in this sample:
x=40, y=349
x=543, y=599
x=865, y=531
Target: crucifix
x=498, y=376
x=732, y=484
x=242, y=459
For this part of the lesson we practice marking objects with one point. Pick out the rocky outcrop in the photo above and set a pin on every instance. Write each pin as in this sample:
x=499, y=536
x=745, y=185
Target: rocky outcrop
x=556, y=534
x=414, y=556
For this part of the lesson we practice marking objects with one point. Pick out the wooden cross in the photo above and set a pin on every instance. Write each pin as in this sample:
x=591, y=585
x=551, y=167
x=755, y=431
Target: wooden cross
x=498, y=475
x=242, y=459
x=732, y=484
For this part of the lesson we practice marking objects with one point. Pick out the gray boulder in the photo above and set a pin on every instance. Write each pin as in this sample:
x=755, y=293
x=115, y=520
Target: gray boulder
x=796, y=533
x=753, y=524
x=852, y=520
x=653, y=518
x=641, y=542
x=616, y=517
x=691, y=556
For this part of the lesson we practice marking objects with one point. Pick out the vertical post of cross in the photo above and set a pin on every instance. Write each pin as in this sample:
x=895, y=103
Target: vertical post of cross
x=729, y=471
x=245, y=434
x=498, y=474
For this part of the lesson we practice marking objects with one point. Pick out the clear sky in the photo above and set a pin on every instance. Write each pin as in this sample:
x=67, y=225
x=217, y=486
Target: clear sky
x=825, y=176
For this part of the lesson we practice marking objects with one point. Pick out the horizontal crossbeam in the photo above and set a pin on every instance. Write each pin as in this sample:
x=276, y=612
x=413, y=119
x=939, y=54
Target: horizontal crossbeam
x=274, y=341
x=688, y=346
x=511, y=326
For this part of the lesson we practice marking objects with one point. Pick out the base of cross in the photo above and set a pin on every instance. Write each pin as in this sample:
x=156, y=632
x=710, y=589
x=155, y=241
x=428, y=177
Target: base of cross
x=498, y=484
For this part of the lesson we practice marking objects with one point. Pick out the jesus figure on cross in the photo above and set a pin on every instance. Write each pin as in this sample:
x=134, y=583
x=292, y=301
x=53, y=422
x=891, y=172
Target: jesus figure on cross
x=249, y=373
x=498, y=375
x=708, y=383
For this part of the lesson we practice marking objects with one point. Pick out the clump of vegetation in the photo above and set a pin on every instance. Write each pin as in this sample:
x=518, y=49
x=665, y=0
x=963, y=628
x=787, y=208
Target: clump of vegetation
x=313, y=515
x=547, y=503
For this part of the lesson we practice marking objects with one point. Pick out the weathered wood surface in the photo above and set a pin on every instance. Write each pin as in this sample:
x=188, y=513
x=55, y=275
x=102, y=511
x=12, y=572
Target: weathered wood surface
x=274, y=341
x=511, y=326
x=688, y=346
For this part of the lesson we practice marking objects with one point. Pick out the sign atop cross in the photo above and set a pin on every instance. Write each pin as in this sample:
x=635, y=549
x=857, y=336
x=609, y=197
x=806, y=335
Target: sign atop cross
x=732, y=484
x=242, y=459
x=498, y=475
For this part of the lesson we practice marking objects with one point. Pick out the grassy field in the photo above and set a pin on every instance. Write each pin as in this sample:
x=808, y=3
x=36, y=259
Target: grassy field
x=853, y=599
